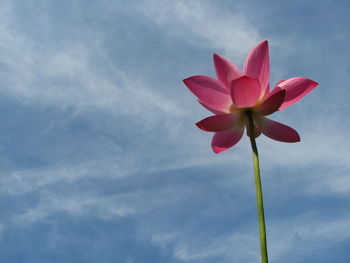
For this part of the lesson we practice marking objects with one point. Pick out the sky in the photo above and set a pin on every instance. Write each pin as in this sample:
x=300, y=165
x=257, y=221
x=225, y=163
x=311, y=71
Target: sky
x=99, y=155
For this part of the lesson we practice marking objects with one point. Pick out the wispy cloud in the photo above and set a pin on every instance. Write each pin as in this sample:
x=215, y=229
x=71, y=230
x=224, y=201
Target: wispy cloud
x=201, y=23
x=300, y=235
x=145, y=161
x=304, y=234
x=74, y=205
x=68, y=76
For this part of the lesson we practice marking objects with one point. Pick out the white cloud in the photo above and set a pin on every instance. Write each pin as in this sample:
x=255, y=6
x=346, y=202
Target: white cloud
x=201, y=23
x=321, y=161
x=74, y=205
x=306, y=233
x=239, y=247
x=317, y=146
x=28, y=181
x=66, y=76
x=299, y=235
x=335, y=230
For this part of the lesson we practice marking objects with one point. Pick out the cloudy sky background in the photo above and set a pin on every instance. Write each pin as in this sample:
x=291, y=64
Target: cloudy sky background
x=100, y=159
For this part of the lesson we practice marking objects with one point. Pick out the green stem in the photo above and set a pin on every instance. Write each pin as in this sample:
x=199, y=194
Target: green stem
x=259, y=197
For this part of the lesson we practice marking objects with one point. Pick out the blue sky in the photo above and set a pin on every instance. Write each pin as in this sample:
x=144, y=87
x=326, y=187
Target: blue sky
x=100, y=158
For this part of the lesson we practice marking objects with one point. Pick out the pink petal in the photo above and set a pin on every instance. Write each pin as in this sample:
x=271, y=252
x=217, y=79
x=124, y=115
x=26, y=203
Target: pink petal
x=245, y=91
x=224, y=140
x=218, y=123
x=209, y=91
x=278, y=131
x=257, y=132
x=269, y=92
x=226, y=70
x=296, y=88
x=279, y=82
x=211, y=109
x=257, y=64
x=272, y=102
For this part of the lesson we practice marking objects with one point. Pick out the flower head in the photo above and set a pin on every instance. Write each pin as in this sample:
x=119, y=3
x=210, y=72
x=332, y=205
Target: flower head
x=234, y=96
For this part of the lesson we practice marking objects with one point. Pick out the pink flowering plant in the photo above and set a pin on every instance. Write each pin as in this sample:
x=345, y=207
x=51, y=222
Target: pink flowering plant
x=242, y=100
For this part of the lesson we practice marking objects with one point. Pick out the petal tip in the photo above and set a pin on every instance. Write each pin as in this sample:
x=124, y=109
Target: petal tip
x=186, y=80
x=216, y=58
x=263, y=44
x=296, y=88
x=217, y=149
x=297, y=138
x=201, y=126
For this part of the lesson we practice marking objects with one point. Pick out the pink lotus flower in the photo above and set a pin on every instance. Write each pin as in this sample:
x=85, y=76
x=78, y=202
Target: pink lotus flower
x=234, y=95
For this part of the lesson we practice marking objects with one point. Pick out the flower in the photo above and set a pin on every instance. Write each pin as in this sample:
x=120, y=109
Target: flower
x=234, y=95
